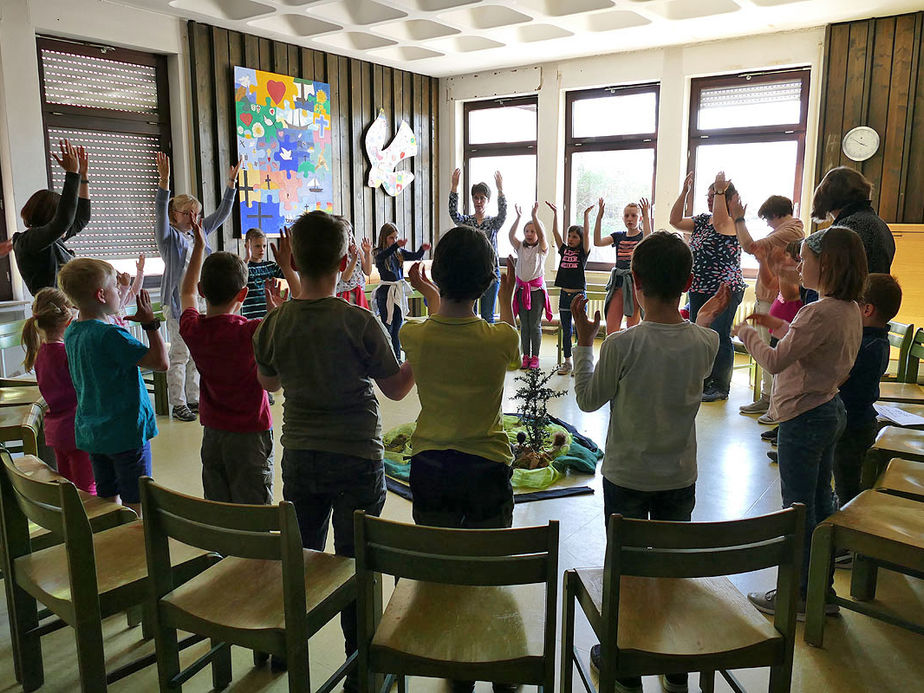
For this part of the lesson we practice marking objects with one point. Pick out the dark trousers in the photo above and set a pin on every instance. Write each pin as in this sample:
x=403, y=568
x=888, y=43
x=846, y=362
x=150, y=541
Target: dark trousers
x=721, y=375
x=455, y=489
x=237, y=467
x=326, y=485
x=397, y=319
x=849, y=452
x=564, y=313
x=489, y=299
x=806, y=457
x=673, y=505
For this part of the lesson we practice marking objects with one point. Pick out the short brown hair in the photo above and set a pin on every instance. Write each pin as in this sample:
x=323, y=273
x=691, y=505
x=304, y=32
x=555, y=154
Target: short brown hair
x=663, y=263
x=842, y=268
x=481, y=189
x=223, y=276
x=319, y=242
x=463, y=264
x=40, y=208
x=883, y=293
x=253, y=234
x=840, y=187
x=81, y=278
x=775, y=207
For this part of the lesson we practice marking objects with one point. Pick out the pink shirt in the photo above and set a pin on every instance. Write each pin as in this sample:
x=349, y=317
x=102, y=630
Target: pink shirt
x=785, y=310
x=768, y=251
x=812, y=359
x=54, y=382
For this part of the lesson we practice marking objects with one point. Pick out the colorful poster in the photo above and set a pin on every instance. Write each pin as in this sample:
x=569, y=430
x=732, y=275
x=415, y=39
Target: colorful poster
x=284, y=143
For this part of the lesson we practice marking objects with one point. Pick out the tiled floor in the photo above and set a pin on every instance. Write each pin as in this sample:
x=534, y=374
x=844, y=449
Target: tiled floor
x=735, y=480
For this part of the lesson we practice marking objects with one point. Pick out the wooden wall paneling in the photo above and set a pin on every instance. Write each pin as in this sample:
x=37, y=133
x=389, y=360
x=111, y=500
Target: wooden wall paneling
x=364, y=190
x=913, y=203
x=389, y=105
x=336, y=133
x=407, y=224
x=836, y=77
x=280, y=58
x=295, y=63
x=251, y=52
x=855, y=77
x=222, y=129
x=435, y=192
x=378, y=195
x=320, y=67
x=356, y=127
x=307, y=61
x=345, y=163
x=423, y=165
x=204, y=108
x=235, y=57
x=266, y=54
x=892, y=182
x=398, y=114
x=879, y=99
x=416, y=124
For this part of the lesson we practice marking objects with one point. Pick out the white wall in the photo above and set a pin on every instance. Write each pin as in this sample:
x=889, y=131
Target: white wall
x=22, y=145
x=673, y=67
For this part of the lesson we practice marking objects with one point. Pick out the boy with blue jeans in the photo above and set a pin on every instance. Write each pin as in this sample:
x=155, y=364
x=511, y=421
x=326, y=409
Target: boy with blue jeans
x=651, y=375
x=114, y=420
x=326, y=353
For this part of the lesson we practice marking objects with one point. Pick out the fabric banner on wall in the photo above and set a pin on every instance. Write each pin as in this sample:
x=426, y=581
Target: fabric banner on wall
x=284, y=142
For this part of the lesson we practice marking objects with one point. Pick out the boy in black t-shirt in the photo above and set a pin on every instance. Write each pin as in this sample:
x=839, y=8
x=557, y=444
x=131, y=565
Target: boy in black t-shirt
x=570, y=277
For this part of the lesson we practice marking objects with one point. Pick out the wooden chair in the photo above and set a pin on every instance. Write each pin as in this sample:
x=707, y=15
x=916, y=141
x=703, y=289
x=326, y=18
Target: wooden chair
x=890, y=442
x=661, y=603
x=23, y=425
x=84, y=579
x=281, y=593
x=907, y=390
x=882, y=530
x=155, y=381
x=10, y=338
x=470, y=604
x=903, y=478
x=900, y=338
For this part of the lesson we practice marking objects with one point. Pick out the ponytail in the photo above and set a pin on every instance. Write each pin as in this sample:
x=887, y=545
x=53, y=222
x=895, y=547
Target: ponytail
x=31, y=341
x=51, y=310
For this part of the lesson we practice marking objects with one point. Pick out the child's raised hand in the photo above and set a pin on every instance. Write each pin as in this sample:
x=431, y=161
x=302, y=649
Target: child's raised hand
x=771, y=322
x=353, y=250
x=425, y=246
x=588, y=211
x=143, y=311
x=712, y=308
x=535, y=208
x=282, y=249
x=123, y=278
x=272, y=290
x=508, y=280
x=198, y=232
x=139, y=266
x=402, y=242
x=586, y=330
x=601, y=205
x=645, y=206
x=367, y=245
x=552, y=207
x=518, y=210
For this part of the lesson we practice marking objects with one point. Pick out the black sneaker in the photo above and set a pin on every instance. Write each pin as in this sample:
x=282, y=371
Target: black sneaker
x=774, y=456
x=674, y=683
x=182, y=413
x=771, y=434
x=632, y=684
x=193, y=407
x=713, y=394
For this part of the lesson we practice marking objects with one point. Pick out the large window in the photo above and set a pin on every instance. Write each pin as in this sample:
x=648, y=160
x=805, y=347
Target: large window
x=753, y=128
x=114, y=103
x=500, y=135
x=610, y=140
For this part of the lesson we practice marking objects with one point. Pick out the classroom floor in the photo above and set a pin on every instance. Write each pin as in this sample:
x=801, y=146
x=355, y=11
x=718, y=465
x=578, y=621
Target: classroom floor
x=735, y=480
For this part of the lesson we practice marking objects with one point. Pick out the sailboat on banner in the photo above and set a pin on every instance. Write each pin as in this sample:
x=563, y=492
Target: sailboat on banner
x=314, y=185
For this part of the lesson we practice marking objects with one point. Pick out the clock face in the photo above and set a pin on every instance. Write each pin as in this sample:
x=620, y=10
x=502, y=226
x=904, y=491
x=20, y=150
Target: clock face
x=860, y=143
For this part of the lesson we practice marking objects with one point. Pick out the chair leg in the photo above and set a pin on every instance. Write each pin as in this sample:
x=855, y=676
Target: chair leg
x=402, y=683
x=221, y=666
x=567, y=634
x=161, y=407
x=707, y=681
x=818, y=578
x=863, y=577
x=134, y=616
x=91, y=660
x=27, y=647
x=781, y=678
x=168, y=657
x=297, y=662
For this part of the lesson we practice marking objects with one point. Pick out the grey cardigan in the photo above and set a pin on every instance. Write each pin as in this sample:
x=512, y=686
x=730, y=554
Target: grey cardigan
x=174, y=244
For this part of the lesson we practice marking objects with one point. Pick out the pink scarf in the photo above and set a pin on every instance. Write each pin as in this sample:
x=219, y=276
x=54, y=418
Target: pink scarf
x=523, y=295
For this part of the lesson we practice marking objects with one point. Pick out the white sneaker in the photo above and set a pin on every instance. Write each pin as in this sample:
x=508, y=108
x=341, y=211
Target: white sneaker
x=766, y=419
x=565, y=368
x=759, y=407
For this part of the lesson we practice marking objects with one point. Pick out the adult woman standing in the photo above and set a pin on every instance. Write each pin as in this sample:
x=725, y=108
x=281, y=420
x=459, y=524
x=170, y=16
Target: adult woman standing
x=716, y=261
x=51, y=219
x=844, y=196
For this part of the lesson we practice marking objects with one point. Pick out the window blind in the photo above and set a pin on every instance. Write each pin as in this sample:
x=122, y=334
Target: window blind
x=83, y=80
x=751, y=94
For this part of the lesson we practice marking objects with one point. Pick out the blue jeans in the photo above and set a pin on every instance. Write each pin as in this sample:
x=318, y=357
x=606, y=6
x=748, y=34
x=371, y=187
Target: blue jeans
x=489, y=298
x=564, y=314
x=720, y=377
x=806, y=456
x=118, y=474
x=381, y=297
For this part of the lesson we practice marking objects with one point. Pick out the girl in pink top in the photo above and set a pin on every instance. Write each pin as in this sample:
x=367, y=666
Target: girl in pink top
x=813, y=357
x=43, y=339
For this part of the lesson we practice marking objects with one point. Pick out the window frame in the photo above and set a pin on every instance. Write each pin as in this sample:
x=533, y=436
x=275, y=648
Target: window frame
x=605, y=143
x=788, y=132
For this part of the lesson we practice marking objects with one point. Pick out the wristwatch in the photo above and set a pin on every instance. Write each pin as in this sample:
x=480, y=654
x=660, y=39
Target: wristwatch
x=739, y=220
x=85, y=181
x=151, y=326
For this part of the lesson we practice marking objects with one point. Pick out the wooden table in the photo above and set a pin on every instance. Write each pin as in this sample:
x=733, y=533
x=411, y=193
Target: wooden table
x=16, y=396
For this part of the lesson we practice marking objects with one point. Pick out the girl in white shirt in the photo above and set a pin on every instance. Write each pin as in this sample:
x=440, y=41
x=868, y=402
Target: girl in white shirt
x=530, y=295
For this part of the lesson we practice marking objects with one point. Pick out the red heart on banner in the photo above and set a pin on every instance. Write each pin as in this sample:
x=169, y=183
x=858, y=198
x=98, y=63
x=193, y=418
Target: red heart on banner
x=246, y=118
x=276, y=90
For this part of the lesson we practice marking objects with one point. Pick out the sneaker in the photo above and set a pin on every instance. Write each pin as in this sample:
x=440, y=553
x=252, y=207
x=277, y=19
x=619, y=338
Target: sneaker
x=766, y=419
x=628, y=685
x=713, y=394
x=565, y=368
x=182, y=413
x=674, y=683
x=525, y=365
x=770, y=435
x=193, y=407
x=534, y=362
x=766, y=603
x=774, y=456
x=758, y=407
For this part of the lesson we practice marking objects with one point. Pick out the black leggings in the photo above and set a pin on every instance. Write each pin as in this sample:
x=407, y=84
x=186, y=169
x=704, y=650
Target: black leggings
x=564, y=313
x=381, y=297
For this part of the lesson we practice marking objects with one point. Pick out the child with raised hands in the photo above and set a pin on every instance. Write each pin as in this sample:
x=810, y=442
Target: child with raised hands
x=43, y=339
x=351, y=286
x=259, y=272
x=390, y=296
x=570, y=279
x=128, y=291
x=813, y=357
x=237, y=434
x=530, y=298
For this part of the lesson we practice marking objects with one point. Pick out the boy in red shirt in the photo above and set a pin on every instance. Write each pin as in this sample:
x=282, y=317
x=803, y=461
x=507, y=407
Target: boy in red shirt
x=237, y=436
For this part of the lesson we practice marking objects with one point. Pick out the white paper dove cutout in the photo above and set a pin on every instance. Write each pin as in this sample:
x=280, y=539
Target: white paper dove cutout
x=384, y=160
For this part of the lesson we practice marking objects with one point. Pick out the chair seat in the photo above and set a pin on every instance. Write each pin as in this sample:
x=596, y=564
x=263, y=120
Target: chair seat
x=120, y=562
x=904, y=477
x=246, y=594
x=903, y=442
x=435, y=622
x=682, y=617
x=901, y=392
x=886, y=517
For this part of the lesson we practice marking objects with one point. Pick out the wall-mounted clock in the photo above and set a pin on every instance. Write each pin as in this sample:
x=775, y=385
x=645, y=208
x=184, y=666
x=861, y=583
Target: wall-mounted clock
x=860, y=143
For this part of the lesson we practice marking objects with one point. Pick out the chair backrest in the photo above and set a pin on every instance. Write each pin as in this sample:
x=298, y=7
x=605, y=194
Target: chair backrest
x=913, y=357
x=647, y=548
x=901, y=337
x=268, y=532
x=11, y=334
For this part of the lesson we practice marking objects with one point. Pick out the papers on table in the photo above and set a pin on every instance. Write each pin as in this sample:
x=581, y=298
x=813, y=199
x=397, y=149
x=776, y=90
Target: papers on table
x=899, y=417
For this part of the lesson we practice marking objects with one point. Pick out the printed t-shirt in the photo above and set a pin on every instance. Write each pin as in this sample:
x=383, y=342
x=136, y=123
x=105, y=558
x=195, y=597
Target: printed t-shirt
x=530, y=260
x=114, y=412
x=257, y=274
x=327, y=352
x=230, y=397
x=716, y=258
x=571, y=268
x=54, y=382
x=461, y=406
x=624, y=245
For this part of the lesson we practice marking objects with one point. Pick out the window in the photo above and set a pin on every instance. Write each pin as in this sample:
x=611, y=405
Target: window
x=610, y=140
x=753, y=128
x=500, y=135
x=114, y=103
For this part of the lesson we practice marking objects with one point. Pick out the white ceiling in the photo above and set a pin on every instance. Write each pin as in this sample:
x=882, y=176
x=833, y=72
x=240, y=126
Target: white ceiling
x=449, y=37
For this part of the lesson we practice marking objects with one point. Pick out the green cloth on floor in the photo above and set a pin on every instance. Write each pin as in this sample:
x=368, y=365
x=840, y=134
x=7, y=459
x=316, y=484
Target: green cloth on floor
x=579, y=459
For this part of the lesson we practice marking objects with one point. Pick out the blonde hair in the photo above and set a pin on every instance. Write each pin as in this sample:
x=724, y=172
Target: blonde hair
x=50, y=311
x=80, y=279
x=181, y=203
